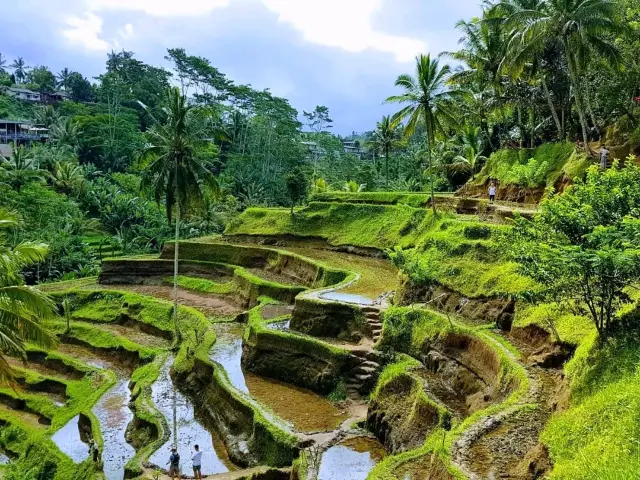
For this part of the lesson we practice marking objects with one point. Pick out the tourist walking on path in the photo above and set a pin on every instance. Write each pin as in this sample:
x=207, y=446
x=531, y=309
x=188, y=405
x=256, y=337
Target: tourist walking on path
x=492, y=192
x=197, y=463
x=604, y=156
x=174, y=464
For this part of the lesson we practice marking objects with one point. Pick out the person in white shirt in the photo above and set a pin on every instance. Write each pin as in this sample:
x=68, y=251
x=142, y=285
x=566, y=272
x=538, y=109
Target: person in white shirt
x=604, y=156
x=492, y=192
x=197, y=462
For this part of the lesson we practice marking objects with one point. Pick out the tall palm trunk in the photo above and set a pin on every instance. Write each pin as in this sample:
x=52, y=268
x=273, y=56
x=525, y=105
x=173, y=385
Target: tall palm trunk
x=431, y=183
x=176, y=248
x=386, y=166
x=554, y=112
x=573, y=75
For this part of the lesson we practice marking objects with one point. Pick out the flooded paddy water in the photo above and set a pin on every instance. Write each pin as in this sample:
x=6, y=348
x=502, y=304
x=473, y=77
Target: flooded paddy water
x=69, y=441
x=112, y=410
x=305, y=410
x=352, y=459
x=191, y=430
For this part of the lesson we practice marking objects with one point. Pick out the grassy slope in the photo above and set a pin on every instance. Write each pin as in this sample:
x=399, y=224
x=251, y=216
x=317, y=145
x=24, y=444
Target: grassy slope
x=598, y=437
x=552, y=161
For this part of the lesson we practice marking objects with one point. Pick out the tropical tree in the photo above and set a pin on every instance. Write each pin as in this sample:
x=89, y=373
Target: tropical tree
x=174, y=171
x=22, y=308
x=21, y=169
x=582, y=28
x=470, y=156
x=67, y=177
x=64, y=79
x=3, y=63
x=46, y=116
x=430, y=103
x=386, y=137
x=65, y=131
x=19, y=69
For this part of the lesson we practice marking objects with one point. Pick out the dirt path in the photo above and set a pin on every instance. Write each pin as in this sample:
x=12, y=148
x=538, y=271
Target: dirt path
x=208, y=304
x=505, y=444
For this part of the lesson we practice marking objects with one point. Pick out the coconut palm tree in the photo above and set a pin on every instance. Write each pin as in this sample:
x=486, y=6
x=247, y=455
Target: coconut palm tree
x=175, y=172
x=67, y=177
x=22, y=308
x=430, y=103
x=65, y=131
x=3, y=63
x=580, y=26
x=63, y=79
x=20, y=170
x=46, y=116
x=470, y=156
x=19, y=69
x=385, y=138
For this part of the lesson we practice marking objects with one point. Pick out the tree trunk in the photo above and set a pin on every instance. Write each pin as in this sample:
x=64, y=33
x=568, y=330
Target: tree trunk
x=576, y=88
x=433, y=197
x=554, y=112
x=386, y=166
x=176, y=249
x=520, y=125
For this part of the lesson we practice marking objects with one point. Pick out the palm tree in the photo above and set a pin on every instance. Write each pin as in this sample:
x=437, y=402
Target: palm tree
x=3, y=63
x=65, y=131
x=430, y=102
x=21, y=169
x=386, y=138
x=46, y=116
x=64, y=77
x=19, y=69
x=21, y=307
x=67, y=177
x=353, y=187
x=175, y=171
x=580, y=26
x=470, y=155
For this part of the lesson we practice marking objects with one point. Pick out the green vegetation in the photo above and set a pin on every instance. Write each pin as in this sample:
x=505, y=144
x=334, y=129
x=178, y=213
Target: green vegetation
x=540, y=167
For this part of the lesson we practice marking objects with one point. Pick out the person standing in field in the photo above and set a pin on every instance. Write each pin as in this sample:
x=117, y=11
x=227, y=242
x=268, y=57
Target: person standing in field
x=197, y=462
x=174, y=464
x=492, y=192
x=604, y=156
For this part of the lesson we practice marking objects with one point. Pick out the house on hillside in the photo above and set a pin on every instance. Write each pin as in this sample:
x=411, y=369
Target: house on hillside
x=27, y=95
x=19, y=132
x=22, y=94
x=353, y=147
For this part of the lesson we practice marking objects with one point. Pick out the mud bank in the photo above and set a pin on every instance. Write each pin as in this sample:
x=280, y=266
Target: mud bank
x=250, y=438
x=474, y=310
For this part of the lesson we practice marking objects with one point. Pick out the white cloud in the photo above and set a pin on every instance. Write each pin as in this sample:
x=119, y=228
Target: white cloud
x=86, y=31
x=344, y=24
x=160, y=8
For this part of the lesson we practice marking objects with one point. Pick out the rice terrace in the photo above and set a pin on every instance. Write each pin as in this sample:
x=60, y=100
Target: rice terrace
x=198, y=280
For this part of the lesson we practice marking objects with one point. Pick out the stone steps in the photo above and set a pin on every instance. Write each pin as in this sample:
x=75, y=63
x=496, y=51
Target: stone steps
x=359, y=376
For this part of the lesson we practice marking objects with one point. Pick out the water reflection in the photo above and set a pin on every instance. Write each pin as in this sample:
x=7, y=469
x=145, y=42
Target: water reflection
x=69, y=442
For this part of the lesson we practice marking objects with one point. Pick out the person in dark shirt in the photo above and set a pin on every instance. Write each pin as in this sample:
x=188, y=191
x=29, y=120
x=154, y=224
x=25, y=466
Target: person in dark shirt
x=174, y=464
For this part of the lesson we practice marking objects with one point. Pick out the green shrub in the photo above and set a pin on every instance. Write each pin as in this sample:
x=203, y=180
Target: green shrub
x=476, y=232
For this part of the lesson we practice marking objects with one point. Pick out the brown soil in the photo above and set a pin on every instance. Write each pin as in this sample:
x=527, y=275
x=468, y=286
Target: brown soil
x=36, y=364
x=274, y=277
x=307, y=411
x=366, y=444
x=269, y=312
x=134, y=334
x=428, y=467
x=27, y=418
x=209, y=304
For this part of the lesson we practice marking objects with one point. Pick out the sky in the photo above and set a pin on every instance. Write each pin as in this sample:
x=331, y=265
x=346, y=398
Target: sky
x=345, y=54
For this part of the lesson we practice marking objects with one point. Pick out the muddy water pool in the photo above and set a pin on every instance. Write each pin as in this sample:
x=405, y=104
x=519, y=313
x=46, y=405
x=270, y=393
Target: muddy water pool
x=190, y=430
x=112, y=410
x=305, y=410
x=352, y=459
x=69, y=442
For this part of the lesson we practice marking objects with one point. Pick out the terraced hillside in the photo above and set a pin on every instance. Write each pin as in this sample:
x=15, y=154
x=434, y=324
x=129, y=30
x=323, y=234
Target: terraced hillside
x=354, y=340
